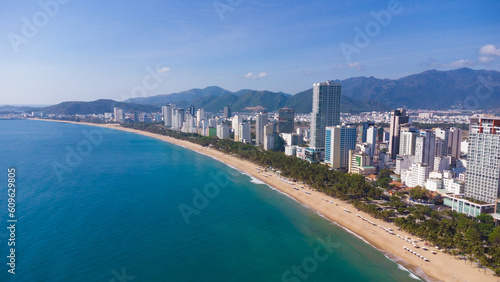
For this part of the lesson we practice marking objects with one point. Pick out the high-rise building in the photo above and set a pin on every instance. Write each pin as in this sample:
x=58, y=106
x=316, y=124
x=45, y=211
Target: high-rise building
x=364, y=131
x=407, y=140
x=482, y=180
x=245, y=133
x=222, y=131
x=200, y=115
x=236, y=126
x=371, y=135
x=227, y=112
x=442, y=163
x=259, y=128
x=269, y=142
x=118, y=114
x=442, y=134
x=338, y=141
x=424, y=148
x=398, y=117
x=286, y=118
x=178, y=118
x=325, y=112
x=167, y=115
x=416, y=175
x=454, y=142
x=192, y=110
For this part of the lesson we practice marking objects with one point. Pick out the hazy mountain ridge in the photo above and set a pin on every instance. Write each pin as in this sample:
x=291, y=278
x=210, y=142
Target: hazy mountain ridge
x=431, y=89
x=95, y=107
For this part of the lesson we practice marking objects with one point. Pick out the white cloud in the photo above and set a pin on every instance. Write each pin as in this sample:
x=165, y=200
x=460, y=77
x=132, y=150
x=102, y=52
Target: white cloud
x=251, y=75
x=486, y=59
x=489, y=49
x=163, y=70
x=458, y=64
x=353, y=65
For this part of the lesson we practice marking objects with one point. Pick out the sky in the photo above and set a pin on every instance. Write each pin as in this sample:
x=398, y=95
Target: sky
x=73, y=50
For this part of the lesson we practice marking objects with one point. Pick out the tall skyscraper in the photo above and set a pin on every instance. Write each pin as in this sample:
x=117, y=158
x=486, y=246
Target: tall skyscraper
x=118, y=114
x=424, y=148
x=227, y=112
x=236, y=126
x=338, y=141
x=167, y=115
x=325, y=112
x=200, y=115
x=398, y=117
x=454, y=142
x=482, y=180
x=192, y=110
x=259, y=128
x=286, y=117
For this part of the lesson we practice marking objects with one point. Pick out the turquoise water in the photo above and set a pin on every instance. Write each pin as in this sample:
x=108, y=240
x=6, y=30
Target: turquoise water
x=111, y=211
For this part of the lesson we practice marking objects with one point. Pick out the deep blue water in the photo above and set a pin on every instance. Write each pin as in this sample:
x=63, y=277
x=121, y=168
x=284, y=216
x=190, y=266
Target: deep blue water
x=111, y=211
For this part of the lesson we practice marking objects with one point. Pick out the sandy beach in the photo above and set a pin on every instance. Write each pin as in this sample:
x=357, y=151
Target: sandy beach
x=440, y=267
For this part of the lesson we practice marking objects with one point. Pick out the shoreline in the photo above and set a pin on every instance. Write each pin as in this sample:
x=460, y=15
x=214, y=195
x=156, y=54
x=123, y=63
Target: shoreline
x=441, y=267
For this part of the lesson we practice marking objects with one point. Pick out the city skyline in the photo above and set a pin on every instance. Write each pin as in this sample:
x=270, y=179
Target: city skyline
x=73, y=52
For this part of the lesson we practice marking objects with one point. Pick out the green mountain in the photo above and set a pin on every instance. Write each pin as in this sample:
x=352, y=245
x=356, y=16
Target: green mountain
x=460, y=88
x=431, y=89
x=96, y=107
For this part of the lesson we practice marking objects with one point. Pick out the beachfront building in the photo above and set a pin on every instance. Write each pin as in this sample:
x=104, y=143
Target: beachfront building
x=325, y=112
x=397, y=118
x=483, y=160
x=269, y=142
x=286, y=117
x=416, y=175
x=236, y=126
x=260, y=123
x=338, y=141
x=244, y=132
x=358, y=160
x=222, y=131
x=119, y=116
x=167, y=115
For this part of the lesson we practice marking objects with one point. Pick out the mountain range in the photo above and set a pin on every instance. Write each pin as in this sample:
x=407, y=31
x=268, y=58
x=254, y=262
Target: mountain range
x=435, y=90
x=461, y=89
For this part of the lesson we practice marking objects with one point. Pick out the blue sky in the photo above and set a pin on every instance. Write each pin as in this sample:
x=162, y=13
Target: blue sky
x=53, y=51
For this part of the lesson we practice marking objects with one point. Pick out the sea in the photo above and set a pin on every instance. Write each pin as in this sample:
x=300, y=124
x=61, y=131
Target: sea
x=95, y=204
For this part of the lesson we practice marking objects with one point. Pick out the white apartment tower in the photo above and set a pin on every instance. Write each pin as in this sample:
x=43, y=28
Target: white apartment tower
x=482, y=180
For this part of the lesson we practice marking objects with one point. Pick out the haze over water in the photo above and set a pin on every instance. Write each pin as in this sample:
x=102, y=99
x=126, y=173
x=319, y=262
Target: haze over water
x=117, y=213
